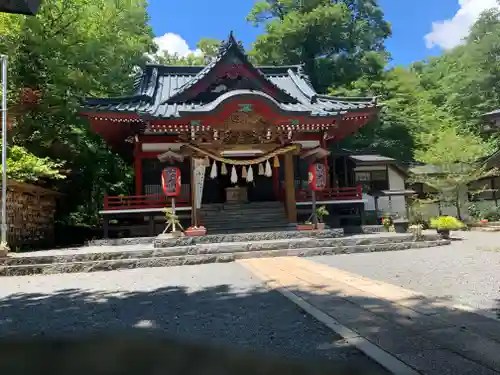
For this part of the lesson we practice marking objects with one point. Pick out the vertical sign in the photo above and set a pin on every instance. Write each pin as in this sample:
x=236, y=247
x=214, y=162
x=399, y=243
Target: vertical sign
x=199, y=177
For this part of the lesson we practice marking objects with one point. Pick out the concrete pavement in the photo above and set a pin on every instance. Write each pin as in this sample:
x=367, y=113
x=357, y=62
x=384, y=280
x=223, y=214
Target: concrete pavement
x=221, y=304
x=405, y=331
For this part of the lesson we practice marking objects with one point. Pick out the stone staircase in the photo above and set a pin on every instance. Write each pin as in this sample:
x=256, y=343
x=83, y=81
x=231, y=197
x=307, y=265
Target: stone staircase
x=107, y=255
x=244, y=217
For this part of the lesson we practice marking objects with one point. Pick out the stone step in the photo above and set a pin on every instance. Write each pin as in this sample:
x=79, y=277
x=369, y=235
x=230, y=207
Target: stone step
x=243, y=214
x=223, y=218
x=248, y=237
x=121, y=241
x=282, y=233
x=257, y=223
x=238, y=205
x=225, y=230
x=242, y=208
x=178, y=260
x=207, y=248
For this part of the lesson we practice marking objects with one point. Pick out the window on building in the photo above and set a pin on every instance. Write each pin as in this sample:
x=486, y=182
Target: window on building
x=372, y=180
x=483, y=190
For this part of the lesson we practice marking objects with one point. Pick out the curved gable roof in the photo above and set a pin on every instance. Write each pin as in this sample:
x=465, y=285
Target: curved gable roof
x=167, y=91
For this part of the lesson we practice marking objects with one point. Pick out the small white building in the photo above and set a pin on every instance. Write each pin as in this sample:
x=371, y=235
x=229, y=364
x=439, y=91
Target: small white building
x=384, y=184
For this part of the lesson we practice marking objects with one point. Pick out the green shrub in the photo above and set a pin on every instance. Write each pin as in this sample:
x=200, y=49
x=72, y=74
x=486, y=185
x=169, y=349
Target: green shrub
x=446, y=223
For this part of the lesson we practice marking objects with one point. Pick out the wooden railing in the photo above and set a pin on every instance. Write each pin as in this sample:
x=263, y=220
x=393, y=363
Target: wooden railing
x=184, y=200
x=330, y=194
x=143, y=201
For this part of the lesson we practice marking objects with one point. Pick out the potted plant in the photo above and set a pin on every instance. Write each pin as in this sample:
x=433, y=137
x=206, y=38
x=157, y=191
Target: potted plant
x=387, y=223
x=321, y=212
x=444, y=224
x=306, y=226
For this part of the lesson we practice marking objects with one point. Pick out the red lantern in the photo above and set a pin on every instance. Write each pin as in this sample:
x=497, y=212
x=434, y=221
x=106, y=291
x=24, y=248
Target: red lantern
x=171, y=181
x=317, y=176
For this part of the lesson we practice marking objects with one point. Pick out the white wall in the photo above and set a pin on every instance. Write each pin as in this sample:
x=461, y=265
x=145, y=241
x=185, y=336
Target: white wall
x=395, y=205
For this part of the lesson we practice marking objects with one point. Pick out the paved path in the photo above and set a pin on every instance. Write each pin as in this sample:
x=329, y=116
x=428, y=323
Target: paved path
x=406, y=331
x=466, y=272
x=218, y=303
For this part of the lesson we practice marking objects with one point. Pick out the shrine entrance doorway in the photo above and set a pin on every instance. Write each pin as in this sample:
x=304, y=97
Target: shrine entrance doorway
x=221, y=189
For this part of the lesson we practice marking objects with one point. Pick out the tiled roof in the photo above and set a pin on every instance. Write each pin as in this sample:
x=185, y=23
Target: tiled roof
x=162, y=91
x=494, y=113
x=372, y=158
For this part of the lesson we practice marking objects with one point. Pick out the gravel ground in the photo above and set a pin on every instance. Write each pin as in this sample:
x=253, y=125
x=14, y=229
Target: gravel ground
x=219, y=303
x=464, y=272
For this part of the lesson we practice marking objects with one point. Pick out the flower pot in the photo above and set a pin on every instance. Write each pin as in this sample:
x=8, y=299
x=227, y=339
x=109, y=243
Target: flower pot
x=196, y=232
x=320, y=226
x=444, y=233
x=305, y=226
x=401, y=226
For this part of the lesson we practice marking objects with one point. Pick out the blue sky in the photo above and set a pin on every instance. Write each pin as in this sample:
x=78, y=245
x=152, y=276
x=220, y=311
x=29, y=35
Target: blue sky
x=420, y=28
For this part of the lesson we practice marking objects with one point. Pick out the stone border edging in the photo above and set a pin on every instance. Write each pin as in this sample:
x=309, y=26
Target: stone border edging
x=386, y=360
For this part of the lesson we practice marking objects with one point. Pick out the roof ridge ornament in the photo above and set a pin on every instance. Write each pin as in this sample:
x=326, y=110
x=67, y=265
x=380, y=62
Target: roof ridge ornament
x=226, y=44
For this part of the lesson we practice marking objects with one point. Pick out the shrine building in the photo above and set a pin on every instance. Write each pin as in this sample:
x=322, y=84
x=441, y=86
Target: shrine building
x=243, y=137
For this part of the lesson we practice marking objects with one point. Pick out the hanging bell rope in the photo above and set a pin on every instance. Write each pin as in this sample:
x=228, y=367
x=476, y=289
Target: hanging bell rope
x=213, y=172
x=260, y=159
x=234, y=175
x=250, y=174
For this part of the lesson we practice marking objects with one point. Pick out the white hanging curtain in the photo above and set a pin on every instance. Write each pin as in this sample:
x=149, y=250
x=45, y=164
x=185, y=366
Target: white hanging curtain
x=261, y=169
x=213, y=172
x=250, y=174
x=234, y=175
x=269, y=171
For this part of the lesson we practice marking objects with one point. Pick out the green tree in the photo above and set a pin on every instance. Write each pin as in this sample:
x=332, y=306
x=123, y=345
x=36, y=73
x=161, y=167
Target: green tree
x=26, y=167
x=465, y=82
x=454, y=159
x=338, y=41
x=70, y=50
x=406, y=111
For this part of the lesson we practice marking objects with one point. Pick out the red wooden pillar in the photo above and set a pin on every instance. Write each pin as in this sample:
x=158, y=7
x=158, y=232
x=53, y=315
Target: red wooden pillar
x=138, y=168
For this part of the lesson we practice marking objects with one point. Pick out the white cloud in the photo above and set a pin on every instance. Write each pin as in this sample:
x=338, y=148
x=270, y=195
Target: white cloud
x=450, y=33
x=174, y=44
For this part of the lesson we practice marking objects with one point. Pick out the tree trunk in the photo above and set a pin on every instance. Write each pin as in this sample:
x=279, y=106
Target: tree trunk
x=457, y=204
